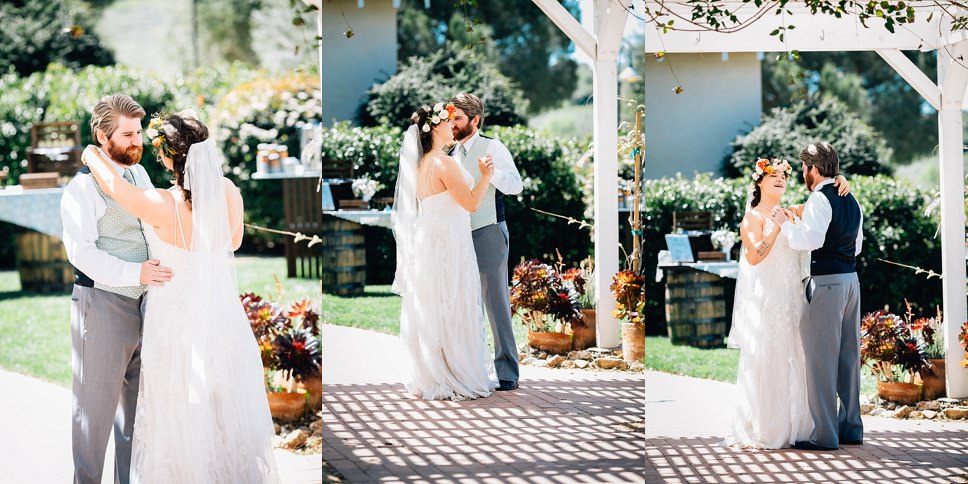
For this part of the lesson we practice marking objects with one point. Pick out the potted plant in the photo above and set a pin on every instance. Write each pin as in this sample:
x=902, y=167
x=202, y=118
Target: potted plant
x=546, y=305
x=291, y=355
x=581, y=280
x=893, y=355
x=963, y=338
x=926, y=331
x=627, y=287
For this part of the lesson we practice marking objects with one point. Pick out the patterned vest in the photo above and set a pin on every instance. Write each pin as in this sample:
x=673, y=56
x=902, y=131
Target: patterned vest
x=491, y=210
x=120, y=234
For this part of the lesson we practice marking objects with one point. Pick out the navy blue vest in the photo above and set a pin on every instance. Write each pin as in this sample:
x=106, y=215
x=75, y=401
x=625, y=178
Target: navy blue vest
x=836, y=256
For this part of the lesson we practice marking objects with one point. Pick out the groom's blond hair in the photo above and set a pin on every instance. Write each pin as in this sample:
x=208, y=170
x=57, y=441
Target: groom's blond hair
x=104, y=116
x=822, y=155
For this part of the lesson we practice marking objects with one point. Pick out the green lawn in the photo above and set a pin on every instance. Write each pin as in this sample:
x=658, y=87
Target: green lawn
x=378, y=309
x=35, y=336
x=716, y=364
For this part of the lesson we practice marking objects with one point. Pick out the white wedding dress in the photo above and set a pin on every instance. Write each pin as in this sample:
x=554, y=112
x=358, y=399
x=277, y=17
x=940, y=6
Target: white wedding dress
x=442, y=320
x=202, y=415
x=771, y=395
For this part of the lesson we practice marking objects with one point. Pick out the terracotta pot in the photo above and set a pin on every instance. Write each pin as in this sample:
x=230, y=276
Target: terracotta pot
x=550, y=341
x=314, y=387
x=906, y=393
x=286, y=406
x=584, y=335
x=633, y=342
x=932, y=380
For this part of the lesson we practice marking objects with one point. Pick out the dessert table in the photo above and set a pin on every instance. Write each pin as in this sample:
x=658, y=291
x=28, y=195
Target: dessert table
x=41, y=259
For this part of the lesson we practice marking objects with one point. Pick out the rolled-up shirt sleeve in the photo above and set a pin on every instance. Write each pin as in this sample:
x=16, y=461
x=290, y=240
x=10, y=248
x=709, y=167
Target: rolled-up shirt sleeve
x=860, y=232
x=810, y=233
x=79, y=215
x=506, y=177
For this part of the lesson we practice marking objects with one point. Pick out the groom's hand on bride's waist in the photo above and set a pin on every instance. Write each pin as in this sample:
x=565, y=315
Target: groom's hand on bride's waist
x=154, y=274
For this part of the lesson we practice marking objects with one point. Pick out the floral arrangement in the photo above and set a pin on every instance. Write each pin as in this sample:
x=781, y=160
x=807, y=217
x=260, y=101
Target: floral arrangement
x=156, y=138
x=288, y=339
x=627, y=287
x=889, y=348
x=724, y=239
x=441, y=113
x=582, y=280
x=767, y=167
x=541, y=296
x=365, y=188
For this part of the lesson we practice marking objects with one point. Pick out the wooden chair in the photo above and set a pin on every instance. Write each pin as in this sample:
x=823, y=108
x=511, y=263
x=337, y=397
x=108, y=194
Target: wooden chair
x=692, y=221
x=337, y=169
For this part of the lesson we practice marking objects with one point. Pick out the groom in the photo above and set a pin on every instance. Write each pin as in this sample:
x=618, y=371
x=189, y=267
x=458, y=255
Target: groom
x=830, y=327
x=491, y=237
x=107, y=248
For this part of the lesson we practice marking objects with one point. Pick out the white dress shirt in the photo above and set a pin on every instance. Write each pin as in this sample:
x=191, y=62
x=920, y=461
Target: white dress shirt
x=812, y=231
x=506, y=178
x=81, y=208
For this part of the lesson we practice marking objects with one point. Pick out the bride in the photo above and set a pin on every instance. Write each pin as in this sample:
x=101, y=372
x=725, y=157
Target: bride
x=441, y=322
x=771, y=410
x=202, y=414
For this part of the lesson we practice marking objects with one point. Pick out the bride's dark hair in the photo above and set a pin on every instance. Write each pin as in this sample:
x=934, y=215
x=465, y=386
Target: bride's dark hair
x=420, y=118
x=181, y=131
x=757, y=194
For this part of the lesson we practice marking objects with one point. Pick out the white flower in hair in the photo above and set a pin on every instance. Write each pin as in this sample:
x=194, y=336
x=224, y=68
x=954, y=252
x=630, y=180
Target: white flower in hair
x=426, y=128
x=759, y=171
x=152, y=133
x=438, y=106
x=435, y=119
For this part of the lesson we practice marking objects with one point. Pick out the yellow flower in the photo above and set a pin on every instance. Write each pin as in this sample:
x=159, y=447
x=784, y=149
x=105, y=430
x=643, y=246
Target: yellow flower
x=157, y=142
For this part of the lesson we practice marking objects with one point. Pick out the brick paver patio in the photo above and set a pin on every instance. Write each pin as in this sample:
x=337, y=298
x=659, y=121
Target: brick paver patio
x=560, y=426
x=687, y=417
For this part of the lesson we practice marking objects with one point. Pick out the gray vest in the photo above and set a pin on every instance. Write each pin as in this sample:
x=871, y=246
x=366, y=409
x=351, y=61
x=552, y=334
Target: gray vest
x=120, y=234
x=486, y=214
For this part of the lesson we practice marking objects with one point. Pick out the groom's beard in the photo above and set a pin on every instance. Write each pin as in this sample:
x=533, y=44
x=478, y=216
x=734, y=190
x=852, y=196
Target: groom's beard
x=125, y=157
x=808, y=179
x=462, y=134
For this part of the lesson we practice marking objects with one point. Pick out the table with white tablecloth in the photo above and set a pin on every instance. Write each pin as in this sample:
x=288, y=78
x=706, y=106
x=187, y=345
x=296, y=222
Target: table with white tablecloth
x=41, y=259
x=34, y=209
x=698, y=300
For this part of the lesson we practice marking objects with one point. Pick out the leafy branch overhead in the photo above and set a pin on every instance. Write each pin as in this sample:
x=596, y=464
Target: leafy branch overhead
x=724, y=16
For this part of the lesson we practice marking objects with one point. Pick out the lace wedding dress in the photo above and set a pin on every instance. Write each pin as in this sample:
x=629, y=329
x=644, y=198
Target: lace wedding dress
x=203, y=416
x=442, y=321
x=771, y=405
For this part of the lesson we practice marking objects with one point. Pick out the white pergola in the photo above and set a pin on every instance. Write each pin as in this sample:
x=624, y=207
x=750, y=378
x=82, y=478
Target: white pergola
x=818, y=32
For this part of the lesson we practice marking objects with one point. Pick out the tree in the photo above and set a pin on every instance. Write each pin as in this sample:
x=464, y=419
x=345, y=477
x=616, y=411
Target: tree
x=437, y=78
x=527, y=46
x=36, y=33
x=869, y=86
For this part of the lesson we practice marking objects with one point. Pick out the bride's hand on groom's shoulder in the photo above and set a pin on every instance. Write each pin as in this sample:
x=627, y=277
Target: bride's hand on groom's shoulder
x=843, y=186
x=89, y=152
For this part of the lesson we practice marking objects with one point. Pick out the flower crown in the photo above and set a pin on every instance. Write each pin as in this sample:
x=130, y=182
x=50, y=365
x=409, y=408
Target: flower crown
x=156, y=136
x=440, y=112
x=766, y=167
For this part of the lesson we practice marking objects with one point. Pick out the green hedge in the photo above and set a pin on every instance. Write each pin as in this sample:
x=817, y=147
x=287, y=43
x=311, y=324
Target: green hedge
x=896, y=228
x=545, y=165
x=268, y=110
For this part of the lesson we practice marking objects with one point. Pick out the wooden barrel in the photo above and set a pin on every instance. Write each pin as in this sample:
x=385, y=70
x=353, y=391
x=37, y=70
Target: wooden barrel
x=344, y=257
x=695, y=308
x=42, y=264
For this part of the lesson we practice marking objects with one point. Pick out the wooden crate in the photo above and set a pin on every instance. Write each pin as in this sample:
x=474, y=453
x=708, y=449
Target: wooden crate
x=39, y=180
x=55, y=147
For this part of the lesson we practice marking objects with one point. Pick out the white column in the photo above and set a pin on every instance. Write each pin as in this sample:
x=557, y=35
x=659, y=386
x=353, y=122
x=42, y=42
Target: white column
x=952, y=79
x=606, y=200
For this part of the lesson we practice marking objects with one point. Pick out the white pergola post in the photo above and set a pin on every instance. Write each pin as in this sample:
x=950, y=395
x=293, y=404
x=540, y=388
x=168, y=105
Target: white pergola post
x=952, y=79
x=602, y=47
